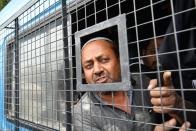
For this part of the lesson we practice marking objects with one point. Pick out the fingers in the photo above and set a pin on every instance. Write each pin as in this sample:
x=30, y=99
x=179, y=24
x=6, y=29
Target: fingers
x=167, y=78
x=177, y=117
x=162, y=98
x=152, y=84
x=164, y=101
x=160, y=92
x=166, y=126
x=185, y=126
x=162, y=109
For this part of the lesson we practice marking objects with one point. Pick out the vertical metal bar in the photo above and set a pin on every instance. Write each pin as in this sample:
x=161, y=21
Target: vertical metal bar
x=67, y=72
x=157, y=59
x=138, y=51
x=179, y=61
x=16, y=50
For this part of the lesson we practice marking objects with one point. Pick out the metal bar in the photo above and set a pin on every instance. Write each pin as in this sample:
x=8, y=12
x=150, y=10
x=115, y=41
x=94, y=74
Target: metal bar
x=16, y=50
x=18, y=13
x=67, y=63
x=9, y=27
x=179, y=65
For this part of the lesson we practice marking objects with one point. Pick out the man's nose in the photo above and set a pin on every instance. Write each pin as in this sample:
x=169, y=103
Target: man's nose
x=98, y=69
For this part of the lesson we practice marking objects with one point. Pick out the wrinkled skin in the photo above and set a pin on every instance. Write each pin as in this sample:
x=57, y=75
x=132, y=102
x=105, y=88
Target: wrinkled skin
x=100, y=63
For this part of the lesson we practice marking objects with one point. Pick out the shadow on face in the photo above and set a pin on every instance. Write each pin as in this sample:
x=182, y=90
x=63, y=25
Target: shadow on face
x=150, y=53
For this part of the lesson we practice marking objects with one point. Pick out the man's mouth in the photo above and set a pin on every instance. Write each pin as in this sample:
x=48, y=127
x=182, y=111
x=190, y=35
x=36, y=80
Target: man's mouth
x=101, y=80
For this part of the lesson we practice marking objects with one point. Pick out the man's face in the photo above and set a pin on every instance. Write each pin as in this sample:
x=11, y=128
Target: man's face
x=100, y=63
x=150, y=61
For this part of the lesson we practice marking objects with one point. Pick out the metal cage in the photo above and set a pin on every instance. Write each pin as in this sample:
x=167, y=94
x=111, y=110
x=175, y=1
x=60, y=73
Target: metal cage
x=41, y=71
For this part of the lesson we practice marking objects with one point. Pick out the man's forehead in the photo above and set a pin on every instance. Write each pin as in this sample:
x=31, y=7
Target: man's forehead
x=96, y=39
x=96, y=49
x=95, y=46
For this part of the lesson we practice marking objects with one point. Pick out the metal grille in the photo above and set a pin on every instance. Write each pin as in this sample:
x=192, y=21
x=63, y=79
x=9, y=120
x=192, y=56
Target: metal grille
x=38, y=65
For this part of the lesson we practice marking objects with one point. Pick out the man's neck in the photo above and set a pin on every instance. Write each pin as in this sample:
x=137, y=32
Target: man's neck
x=118, y=99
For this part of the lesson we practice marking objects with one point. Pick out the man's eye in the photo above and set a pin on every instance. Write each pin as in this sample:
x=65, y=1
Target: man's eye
x=89, y=66
x=104, y=60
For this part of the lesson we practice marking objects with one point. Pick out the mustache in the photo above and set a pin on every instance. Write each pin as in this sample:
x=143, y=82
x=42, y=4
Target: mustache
x=100, y=75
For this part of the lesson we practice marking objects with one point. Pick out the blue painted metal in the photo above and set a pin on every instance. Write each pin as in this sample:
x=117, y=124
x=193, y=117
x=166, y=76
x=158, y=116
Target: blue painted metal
x=41, y=15
x=4, y=124
x=2, y=119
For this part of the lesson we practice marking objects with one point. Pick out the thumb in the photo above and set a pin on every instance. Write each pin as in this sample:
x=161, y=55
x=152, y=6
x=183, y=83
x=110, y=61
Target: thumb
x=167, y=78
x=166, y=126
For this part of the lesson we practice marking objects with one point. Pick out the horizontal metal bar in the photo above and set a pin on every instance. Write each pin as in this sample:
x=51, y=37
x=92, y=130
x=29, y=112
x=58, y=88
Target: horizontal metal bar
x=18, y=13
